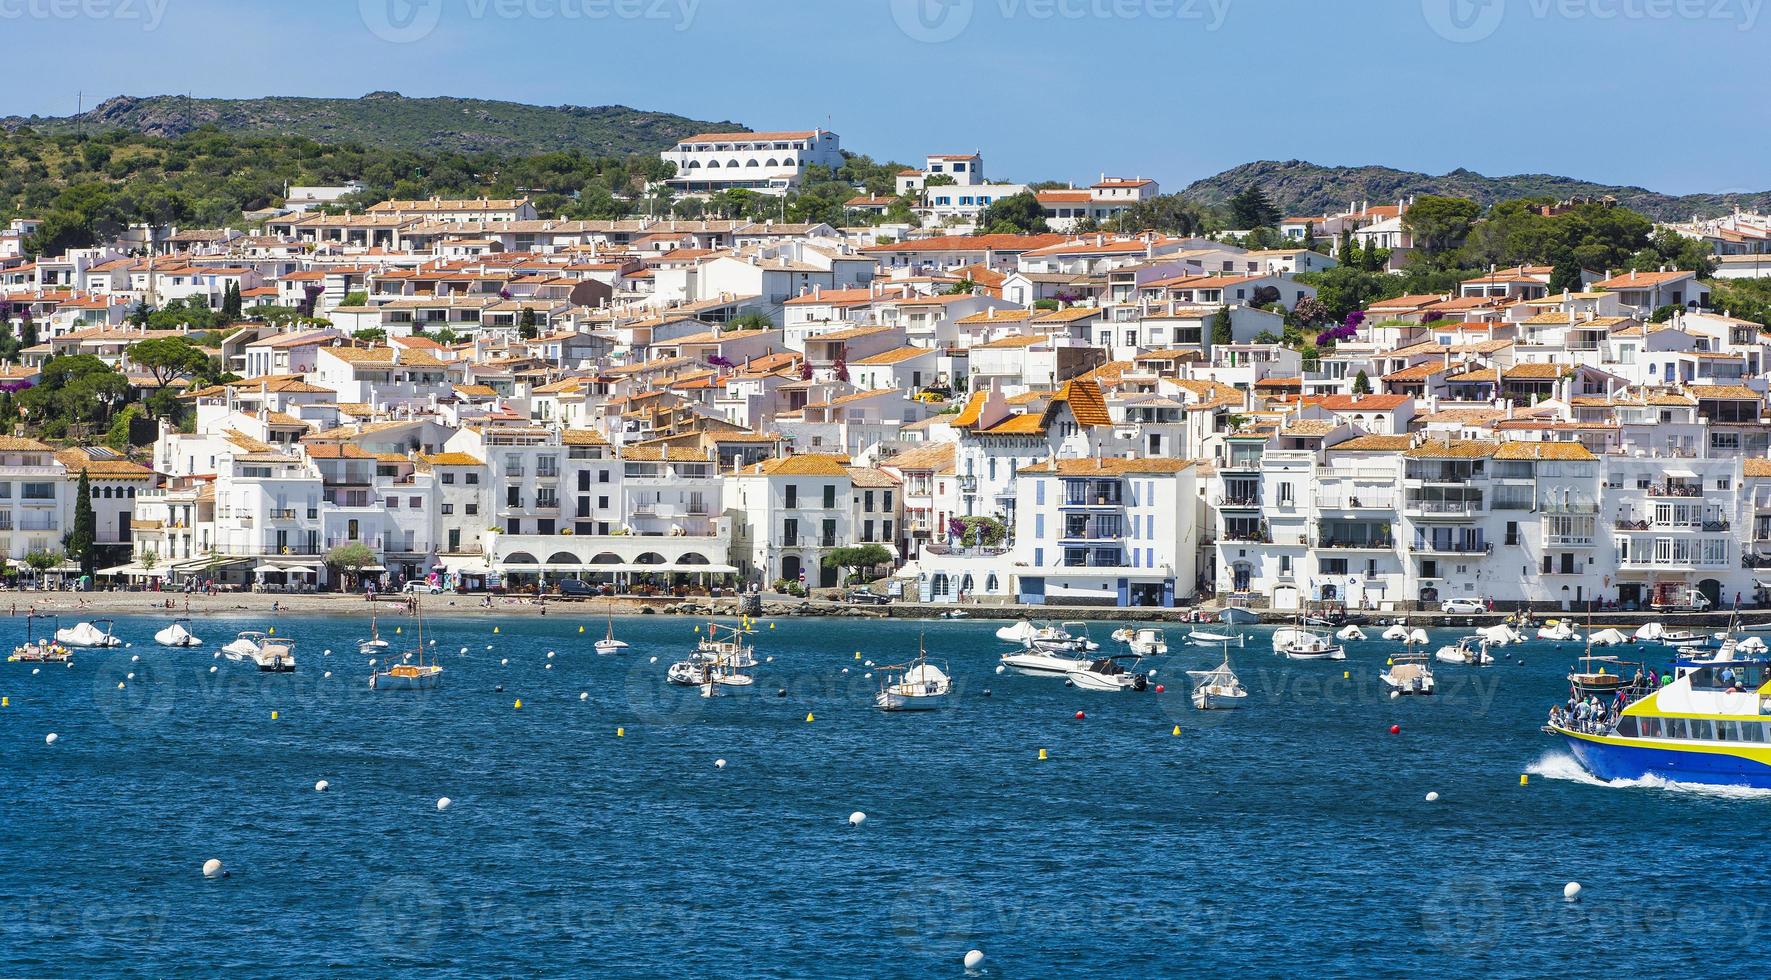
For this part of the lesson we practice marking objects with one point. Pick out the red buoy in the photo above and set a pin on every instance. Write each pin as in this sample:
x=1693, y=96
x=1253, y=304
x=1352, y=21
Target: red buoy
x=1159, y=689
x=1080, y=716
x=1395, y=729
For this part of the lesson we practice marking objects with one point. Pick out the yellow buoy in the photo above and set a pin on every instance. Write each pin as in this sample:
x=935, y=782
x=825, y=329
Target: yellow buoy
x=1524, y=780
x=5, y=702
x=1345, y=674
x=398, y=630
x=273, y=716
x=1177, y=730
x=273, y=631
x=1042, y=755
x=771, y=626
x=620, y=733
x=857, y=655
x=1389, y=663
x=519, y=704
x=494, y=629
x=580, y=629
x=808, y=716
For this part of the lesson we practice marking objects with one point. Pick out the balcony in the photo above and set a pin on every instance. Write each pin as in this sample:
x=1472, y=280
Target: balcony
x=1444, y=510
x=1229, y=502
x=282, y=515
x=1675, y=490
x=1356, y=502
x=1714, y=527
x=1567, y=540
x=1354, y=544
x=1430, y=547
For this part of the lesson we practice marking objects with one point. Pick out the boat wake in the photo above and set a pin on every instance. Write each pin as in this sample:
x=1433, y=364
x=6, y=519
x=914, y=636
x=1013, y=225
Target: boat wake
x=1561, y=765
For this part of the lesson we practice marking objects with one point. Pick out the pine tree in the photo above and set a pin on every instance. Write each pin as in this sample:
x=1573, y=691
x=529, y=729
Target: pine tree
x=1361, y=383
x=1346, y=246
x=1350, y=256
x=1375, y=257
x=230, y=302
x=1565, y=277
x=27, y=331
x=83, y=539
x=526, y=325
x=1221, y=328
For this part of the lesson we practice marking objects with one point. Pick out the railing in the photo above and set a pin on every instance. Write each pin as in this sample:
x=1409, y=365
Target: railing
x=1454, y=547
x=1712, y=526
x=1249, y=537
x=1567, y=540
x=1453, y=508
x=1355, y=544
x=282, y=515
x=1674, y=490
x=1356, y=503
x=1242, y=502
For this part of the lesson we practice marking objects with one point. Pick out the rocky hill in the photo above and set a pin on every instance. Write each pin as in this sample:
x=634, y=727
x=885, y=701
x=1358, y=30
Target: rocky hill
x=1298, y=187
x=390, y=120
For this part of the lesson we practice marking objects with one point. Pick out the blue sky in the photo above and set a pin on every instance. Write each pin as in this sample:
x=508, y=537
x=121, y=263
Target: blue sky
x=1668, y=94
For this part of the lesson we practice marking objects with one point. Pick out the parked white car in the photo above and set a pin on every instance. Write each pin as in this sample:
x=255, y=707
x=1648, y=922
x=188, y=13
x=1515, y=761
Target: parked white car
x=1463, y=606
x=421, y=588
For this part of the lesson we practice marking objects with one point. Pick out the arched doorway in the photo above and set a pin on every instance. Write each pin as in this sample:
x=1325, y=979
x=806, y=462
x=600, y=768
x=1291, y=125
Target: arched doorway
x=1712, y=590
x=1241, y=574
x=790, y=568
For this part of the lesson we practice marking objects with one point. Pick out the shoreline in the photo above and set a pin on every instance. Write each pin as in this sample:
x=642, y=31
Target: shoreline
x=353, y=606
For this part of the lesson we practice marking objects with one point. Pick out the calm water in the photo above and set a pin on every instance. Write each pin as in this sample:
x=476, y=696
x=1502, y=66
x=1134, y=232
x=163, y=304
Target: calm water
x=1289, y=837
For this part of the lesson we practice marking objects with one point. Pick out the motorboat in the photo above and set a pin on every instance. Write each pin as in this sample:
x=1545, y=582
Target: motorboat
x=1398, y=632
x=40, y=650
x=1215, y=689
x=955, y=614
x=1609, y=638
x=1650, y=632
x=1238, y=616
x=88, y=635
x=1203, y=638
x=245, y=646
x=1408, y=674
x=1686, y=639
x=1143, y=642
x=608, y=644
x=1297, y=643
x=1062, y=637
x=1020, y=633
x=1040, y=663
x=1349, y=633
x=275, y=655
x=177, y=635
x=406, y=675
x=916, y=686
x=1500, y=635
x=1470, y=651
x=1108, y=674
x=1558, y=631
x=718, y=662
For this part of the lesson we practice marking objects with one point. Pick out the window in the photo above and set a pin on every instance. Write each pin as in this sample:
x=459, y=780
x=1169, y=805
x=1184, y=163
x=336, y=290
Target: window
x=473, y=509
x=473, y=479
x=415, y=502
x=448, y=479
x=792, y=492
x=448, y=508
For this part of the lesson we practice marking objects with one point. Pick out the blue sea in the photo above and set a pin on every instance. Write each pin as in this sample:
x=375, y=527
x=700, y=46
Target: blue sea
x=591, y=832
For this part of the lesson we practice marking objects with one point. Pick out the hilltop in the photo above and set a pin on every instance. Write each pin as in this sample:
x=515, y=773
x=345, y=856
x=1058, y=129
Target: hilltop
x=1298, y=187
x=388, y=120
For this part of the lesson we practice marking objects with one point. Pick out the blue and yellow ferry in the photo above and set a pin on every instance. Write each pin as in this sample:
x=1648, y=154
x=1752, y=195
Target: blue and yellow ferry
x=1710, y=724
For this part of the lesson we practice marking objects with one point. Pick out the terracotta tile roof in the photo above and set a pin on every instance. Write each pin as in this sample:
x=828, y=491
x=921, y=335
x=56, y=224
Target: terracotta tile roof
x=1758, y=467
x=1024, y=424
x=896, y=355
x=451, y=459
x=1360, y=403
x=1567, y=451
x=1452, y=449
x=974, y=406
x=936, y=457
x=1373, y=444
x=1085, y=401
x=808, y=464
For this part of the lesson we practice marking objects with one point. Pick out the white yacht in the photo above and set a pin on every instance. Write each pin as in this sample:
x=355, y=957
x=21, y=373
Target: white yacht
x=1145, y=642
x=1039, y=663
x=1471, y=651
x=1206, y=638
x=1108, y=674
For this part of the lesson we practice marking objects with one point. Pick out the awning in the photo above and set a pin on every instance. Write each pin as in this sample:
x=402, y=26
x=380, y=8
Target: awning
x=373, y=569
x=158, y=571
x=1680, y=475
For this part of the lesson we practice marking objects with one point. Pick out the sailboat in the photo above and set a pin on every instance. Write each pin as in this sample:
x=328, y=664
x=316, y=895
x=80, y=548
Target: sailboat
x=374, y=644
x=1297, y=642
x=718, y=661
x=177, y=635
x=608, y=644
x=917, y=686
x=407, y=676
x=1219, y=688
x=43, y=650
x=1408, y=673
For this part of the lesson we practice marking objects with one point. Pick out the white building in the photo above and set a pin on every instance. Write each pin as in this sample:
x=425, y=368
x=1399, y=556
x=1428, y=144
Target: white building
x=766, y=163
